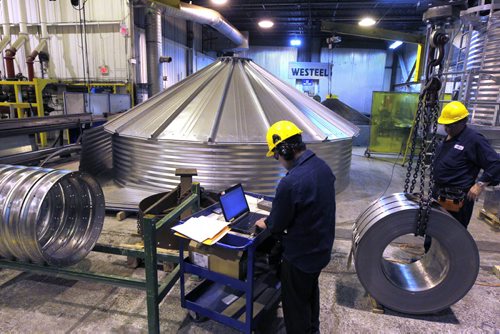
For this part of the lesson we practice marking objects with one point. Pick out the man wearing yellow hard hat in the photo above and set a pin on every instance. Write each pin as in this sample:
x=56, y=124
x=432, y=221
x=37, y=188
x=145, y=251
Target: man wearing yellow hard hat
x=303, y=218
x=458, y=160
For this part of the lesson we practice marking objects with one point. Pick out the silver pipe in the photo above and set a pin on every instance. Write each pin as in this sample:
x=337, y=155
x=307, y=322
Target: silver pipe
x=207, y=16
x=43, y=18
x=154, y=51
x=23, y=33
x=5, y=26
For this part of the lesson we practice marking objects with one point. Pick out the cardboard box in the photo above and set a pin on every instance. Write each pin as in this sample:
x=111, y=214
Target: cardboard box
x=220, y=260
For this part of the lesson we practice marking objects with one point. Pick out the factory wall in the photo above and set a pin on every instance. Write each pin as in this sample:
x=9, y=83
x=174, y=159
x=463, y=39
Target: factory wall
x=273, y=59
x=356, y=74
x=106, y=44
x=202, y=60
x=176, y=70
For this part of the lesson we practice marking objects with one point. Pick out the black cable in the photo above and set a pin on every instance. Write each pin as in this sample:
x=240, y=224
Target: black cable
x=81, y=41
x=86, y=48
x=392, y=175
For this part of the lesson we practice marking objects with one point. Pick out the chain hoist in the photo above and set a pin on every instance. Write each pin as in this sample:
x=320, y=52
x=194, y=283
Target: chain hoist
x=424, y=130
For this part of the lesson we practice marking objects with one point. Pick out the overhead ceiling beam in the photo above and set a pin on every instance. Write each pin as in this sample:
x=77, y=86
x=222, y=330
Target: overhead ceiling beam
x=377, y=33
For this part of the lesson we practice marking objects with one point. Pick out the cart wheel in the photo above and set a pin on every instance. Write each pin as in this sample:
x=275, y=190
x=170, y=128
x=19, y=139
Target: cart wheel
x=196, y=317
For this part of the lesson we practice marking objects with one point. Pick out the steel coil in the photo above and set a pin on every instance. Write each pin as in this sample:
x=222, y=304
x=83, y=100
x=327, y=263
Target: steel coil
x=434, y=282
x=48, y=216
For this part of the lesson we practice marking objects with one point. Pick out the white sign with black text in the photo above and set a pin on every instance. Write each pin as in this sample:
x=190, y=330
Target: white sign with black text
x=308, y=70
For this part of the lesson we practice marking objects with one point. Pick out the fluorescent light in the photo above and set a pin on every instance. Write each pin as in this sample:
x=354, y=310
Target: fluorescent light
x=295, y=42
x=219, y=2
x=266, y=24
x=367, y=22
x=395, y=44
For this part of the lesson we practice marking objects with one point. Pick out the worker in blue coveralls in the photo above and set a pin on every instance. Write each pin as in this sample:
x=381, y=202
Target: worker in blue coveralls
x=303, y=217
x=458, y=160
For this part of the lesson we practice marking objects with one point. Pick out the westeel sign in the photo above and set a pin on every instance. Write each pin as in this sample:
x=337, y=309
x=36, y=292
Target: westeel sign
x=304, y=70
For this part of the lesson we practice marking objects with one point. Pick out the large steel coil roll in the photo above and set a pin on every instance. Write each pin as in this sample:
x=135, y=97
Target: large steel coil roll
x=434, y=282
x=48, y=216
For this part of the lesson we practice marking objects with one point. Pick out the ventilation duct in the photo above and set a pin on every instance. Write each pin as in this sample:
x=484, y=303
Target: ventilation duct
x=206, y=16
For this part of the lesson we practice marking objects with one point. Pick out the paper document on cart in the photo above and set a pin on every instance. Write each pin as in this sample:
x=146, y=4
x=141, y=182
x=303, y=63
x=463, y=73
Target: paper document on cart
x=201, y=228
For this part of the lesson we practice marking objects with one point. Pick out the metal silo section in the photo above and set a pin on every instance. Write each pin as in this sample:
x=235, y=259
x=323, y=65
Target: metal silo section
x=481, y=86
x=96, y=154
x=216, y=121
x=475, y=70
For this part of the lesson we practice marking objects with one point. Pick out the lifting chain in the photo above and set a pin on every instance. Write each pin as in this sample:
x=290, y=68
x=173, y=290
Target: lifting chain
x=424, y=130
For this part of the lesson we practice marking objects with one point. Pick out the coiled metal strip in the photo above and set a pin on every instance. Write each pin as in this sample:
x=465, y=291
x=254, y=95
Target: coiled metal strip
x=436, y=281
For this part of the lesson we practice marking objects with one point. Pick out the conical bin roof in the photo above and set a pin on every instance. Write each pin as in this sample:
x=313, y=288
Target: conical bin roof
x=216, y=122
x=233, y=100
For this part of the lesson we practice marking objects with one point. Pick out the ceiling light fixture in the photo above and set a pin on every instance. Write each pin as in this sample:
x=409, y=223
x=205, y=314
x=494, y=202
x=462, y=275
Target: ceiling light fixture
x=295, y=42
x=367, y=22
x=266, y=24
x=219, y=2
x=395, y=44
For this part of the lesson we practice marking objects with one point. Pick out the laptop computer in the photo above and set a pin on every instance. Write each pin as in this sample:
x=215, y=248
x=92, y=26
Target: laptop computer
x=235, y=208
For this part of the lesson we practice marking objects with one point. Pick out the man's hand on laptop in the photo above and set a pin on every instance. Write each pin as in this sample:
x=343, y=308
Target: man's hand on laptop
x=261, y=223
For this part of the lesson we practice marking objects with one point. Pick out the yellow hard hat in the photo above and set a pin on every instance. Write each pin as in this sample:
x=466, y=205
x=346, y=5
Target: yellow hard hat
x=278, y=132
x=453, y=112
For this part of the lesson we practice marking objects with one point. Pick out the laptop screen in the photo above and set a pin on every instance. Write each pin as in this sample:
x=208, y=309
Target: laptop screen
x=233, y=202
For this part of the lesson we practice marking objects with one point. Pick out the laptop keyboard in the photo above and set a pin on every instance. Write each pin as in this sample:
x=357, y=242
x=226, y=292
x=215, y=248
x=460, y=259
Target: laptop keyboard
x=247, y=223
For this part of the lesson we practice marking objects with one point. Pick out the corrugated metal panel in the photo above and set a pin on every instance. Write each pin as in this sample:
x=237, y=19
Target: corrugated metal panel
x=96, y=155
x=174, y=29
x=232, y=100
x=273, y=59
x=176, y=70
x=148, y=164
x=105, y=44
x=63, y=13
x=356, y=74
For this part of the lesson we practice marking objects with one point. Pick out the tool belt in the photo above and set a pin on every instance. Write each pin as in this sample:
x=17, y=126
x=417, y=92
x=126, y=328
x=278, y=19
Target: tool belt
x=452, y=199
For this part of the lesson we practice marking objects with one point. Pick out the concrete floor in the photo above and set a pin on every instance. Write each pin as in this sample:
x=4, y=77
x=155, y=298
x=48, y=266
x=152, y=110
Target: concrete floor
x=42, y=304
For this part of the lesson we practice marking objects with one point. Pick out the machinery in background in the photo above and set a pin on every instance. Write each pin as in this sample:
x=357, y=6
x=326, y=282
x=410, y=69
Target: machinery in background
x=18, y=144
x=43, y=116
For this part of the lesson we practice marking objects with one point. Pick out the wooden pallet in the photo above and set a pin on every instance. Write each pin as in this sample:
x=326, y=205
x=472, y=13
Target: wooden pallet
x=489, y=218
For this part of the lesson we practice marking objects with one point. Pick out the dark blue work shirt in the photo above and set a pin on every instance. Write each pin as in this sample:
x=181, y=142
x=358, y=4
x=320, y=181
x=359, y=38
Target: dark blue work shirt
x=304, y=206
x=459, y=160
